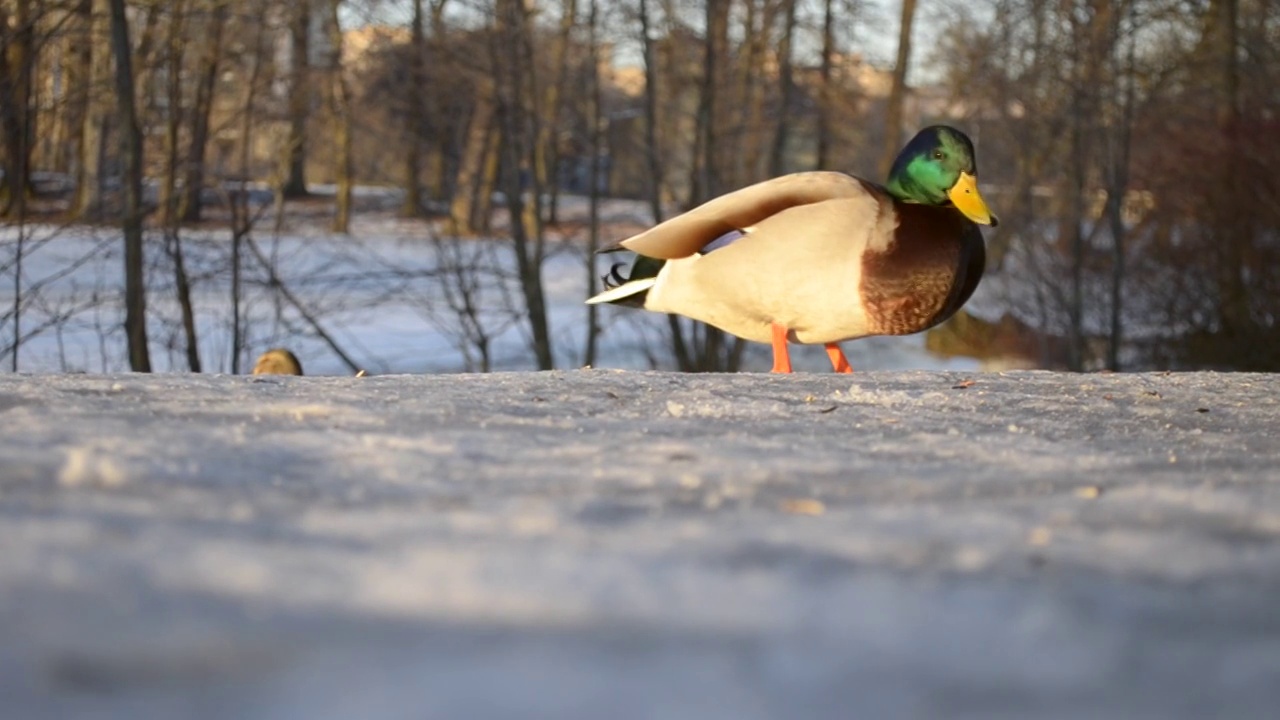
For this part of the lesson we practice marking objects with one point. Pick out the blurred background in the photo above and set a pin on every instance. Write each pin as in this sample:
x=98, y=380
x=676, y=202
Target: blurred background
x=418, y=185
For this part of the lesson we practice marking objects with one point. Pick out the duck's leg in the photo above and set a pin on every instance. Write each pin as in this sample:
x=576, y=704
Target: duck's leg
x=839, y=362
x=781, y=356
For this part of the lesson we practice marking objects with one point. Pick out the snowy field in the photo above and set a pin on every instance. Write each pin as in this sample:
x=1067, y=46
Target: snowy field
x=606, y=544
x=387, y=293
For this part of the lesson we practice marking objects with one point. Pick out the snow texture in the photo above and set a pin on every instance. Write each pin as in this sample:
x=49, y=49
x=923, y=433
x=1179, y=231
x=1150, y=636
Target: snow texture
x=616, y=544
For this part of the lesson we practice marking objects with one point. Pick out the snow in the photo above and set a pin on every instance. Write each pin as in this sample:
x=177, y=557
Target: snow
x=606, y=543
x=378, y=291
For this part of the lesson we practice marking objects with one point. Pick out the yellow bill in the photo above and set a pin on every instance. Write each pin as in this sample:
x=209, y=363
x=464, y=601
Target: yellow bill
x=964, y=195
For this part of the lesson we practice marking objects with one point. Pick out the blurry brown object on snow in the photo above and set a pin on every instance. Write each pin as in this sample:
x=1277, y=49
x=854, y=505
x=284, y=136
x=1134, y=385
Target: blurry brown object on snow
x=277, y=361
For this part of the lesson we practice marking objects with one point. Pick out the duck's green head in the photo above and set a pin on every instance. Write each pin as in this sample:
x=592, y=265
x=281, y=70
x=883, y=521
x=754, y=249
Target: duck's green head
x=938, y=168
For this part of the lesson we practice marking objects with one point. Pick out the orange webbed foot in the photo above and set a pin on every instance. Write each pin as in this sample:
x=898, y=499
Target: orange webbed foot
x=781, y=356
x=839, y=362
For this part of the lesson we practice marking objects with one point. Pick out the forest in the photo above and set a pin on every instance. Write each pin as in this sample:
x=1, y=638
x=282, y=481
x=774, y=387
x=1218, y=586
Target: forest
x=160, y=160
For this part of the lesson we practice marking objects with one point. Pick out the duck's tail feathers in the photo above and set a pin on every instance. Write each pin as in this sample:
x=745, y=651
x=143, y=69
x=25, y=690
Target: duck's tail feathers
x=629, y=293
x=631, y=289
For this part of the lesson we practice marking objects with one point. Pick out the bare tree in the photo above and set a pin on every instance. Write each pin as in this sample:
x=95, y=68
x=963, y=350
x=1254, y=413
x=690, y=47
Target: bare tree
x=131, y=185
x=412, y=206
x=898, y=91
x=206, y=77
x=786, y=91
x=546, y=162
x=168, y=197
x=295, y=149
x=17, y=63
x=652, y=150
x=826, y=102
x=706, y=180
x=512, y=51
x=340, y=109
x=1119, y=151
x=471, y=176
x=77, y=55
x=595, y=120
x=175, y=47
x=92, y=151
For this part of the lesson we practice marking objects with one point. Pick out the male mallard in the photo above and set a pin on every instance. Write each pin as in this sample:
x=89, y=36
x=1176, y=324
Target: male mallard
x=821, y=257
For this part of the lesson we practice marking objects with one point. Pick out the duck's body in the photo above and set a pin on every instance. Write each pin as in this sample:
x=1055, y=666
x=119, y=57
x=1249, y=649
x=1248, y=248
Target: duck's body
x=812, y=258
x=865, y=264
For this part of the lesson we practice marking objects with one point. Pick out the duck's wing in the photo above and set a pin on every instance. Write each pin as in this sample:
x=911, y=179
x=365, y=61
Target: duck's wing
x=688, y=233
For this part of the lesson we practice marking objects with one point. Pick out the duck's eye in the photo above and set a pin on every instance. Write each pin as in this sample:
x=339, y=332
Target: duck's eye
x=937, y=155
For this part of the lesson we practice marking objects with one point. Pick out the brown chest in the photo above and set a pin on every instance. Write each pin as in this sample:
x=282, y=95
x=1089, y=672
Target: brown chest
x=925, y=274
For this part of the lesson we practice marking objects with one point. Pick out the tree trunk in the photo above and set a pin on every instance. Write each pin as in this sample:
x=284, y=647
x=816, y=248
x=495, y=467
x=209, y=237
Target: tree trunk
x=1234, y=235
x=240, y=220
x=487, y=184
x=898, y=92
x=340, y=106
x=193, y=185
x=77, y=62
x=547, y=160
x=89, y=185
x=593, y=234
x=17, y=65
x=708, y=343
x=182, y=288
x=145, y=62
x=510, y=57
x=750, y=97
x=471, y=166
x=295, y=150
x=653, y=153
x=168, y=195
x=706, y=181
x=68, y=67
x=1121, y=144
x=526, y=95
x=786, y=92
x=173, y=121
x=131, y=192
x=440, y=165
x=1075, y=233
x=412, y=206
x=826, y=104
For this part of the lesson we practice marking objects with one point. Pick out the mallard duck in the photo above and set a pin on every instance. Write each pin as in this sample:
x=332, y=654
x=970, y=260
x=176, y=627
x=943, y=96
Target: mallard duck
x=821, y=257
x=277, y=361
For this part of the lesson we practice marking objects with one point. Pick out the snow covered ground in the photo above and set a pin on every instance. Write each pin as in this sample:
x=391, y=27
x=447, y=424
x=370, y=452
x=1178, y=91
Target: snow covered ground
x=590, y=544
